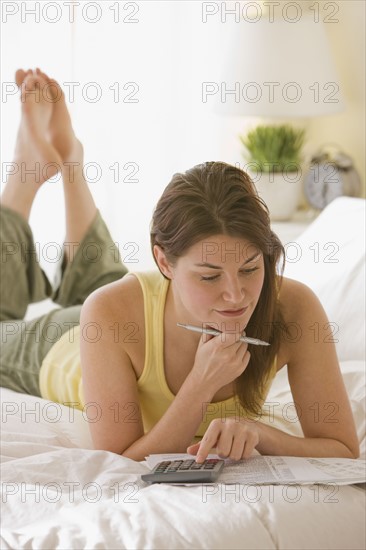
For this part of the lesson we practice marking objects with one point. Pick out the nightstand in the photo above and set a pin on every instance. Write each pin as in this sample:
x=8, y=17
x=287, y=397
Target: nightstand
x=289, y=230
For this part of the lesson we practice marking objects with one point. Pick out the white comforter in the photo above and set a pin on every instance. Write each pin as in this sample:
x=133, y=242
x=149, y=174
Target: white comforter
x=59, y=493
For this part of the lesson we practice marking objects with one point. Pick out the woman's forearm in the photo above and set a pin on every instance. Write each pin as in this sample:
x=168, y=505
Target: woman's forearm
x=276, y=442
x=176, y=429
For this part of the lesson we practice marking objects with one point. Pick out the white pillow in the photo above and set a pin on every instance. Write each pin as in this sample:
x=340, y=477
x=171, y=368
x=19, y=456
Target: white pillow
x=329, y=257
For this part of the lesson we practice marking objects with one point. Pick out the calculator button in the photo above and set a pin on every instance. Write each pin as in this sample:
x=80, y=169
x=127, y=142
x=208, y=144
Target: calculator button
x=186, y=464
x=181, y=471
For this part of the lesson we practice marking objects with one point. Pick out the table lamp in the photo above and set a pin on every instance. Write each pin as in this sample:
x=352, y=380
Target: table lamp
x=279, y=70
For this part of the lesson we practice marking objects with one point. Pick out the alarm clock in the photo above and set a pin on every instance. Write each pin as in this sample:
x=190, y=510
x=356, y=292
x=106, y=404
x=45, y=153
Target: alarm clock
x=331, y=174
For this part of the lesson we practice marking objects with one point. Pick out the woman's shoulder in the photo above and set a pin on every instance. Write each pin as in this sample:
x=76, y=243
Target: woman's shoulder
x=300, y=309
x=119, y=297
x=125, y=298
x=295, y=298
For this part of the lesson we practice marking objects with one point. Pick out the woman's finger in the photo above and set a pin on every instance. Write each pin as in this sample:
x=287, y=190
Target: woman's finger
x=192, y=449
x=209, y=441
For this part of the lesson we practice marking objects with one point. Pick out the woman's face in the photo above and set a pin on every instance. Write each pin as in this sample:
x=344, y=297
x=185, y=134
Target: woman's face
x=218, y=281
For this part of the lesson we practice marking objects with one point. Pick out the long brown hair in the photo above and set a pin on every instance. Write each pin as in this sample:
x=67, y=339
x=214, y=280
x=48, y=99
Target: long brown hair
x=215, y=198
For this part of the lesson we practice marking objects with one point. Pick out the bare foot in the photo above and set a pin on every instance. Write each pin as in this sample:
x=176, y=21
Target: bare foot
x=61, y=132
x=46, y=143
x=35, y=160
x=36, y=157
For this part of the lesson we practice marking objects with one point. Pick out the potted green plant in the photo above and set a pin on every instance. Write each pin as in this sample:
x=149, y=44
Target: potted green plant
x=274, y=162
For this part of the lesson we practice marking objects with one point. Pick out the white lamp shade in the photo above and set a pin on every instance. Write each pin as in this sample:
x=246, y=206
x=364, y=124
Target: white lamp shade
x=279, y=69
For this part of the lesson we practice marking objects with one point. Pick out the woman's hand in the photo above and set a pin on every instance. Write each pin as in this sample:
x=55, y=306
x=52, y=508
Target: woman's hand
x=220, y=360
x=232, y=438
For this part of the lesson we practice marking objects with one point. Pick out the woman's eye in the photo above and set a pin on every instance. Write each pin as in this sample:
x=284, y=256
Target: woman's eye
x=212, y=278
x=246, y=271
x=242, y=272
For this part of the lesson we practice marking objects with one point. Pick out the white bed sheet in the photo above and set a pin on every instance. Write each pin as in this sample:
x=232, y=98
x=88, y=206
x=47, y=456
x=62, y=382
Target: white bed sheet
x=59, y=493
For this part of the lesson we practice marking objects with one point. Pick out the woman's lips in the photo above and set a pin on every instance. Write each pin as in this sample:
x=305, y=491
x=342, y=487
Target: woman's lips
x=232, y=312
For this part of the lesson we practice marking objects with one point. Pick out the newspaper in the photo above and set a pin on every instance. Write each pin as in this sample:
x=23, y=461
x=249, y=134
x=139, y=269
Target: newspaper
x=282, y=469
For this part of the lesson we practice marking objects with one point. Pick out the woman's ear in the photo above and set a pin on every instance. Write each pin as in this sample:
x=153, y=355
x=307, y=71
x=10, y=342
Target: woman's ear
x=163, y=264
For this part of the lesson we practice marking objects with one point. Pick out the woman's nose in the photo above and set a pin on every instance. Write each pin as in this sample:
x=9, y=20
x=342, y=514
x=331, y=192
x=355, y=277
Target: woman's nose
x=233, y=292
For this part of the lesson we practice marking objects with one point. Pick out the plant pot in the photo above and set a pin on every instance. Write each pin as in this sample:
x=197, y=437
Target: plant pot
x=280, y=191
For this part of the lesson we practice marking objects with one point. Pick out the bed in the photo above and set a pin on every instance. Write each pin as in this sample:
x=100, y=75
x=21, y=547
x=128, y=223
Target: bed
x=57, y=492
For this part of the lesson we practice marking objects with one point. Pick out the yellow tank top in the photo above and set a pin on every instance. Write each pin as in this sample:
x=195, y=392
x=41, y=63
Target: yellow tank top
x=155, y=395
x=60, y=374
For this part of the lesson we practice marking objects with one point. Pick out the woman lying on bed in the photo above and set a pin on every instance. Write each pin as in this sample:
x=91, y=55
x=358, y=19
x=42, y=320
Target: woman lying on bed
x=147, y=385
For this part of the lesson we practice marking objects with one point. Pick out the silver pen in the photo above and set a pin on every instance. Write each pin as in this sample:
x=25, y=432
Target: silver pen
x=214, y=332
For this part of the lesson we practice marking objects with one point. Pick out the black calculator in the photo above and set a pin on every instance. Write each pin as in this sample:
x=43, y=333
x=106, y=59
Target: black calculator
x=185, y=471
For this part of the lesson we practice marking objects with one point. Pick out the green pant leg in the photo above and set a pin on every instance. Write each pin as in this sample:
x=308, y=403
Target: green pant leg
x=22, y=281
x=24, y=345
x=97, y=262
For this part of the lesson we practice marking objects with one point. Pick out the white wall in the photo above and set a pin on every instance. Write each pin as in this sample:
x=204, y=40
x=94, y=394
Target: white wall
x=168, y=52
x=347, y=40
